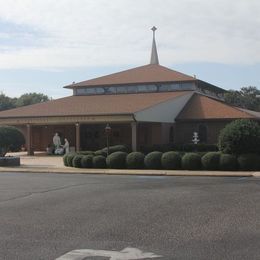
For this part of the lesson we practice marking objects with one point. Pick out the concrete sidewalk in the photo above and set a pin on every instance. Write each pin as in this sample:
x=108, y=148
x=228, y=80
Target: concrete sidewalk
x=42, y=163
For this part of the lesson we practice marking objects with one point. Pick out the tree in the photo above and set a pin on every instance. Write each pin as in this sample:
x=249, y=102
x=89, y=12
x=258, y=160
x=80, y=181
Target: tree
x=240, y=136
x=6, y=102
x=246, y=98
x=31, y=98
x=11, y=139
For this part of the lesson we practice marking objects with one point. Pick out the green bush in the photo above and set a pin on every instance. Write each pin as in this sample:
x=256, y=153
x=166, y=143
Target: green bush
x=171, y=161
x=153, y=160
x=156, y=147
x=191, y=161
x=228, y=162
x=240, y=137
x=115, y=148
x=200, y=147
x=86, y=152
x=11, y=140
x=99, y=162
x=65, y=161
x=70, y=158
x=210, y=161
x=116, y=160
x=76, y=162
x=86, y=161
x=135, y=160
x=100, y=152
x=249, y=162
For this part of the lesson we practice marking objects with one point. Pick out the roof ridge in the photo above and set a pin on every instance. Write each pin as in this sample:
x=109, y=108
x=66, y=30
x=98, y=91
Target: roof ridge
x=142, y=74
x=194, y=92
x=177, y=71
x=113, y=73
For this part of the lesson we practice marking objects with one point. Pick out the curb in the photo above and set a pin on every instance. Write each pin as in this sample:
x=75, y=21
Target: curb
x=70, y=170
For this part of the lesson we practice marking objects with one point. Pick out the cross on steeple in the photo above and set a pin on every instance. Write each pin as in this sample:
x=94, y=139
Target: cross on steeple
x=154, y=55
x=153, y=29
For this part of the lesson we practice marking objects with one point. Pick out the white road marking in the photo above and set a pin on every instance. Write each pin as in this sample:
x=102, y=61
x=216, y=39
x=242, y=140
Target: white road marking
x=125, y=254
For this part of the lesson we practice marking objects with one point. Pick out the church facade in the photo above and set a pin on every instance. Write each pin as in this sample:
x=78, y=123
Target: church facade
x=144, y=106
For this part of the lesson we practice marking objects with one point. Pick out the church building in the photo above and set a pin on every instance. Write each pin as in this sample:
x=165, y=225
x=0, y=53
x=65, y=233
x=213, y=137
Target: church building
x=144, y=106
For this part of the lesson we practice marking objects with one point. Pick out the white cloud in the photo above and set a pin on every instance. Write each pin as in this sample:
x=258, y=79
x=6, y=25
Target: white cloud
x=73, y=33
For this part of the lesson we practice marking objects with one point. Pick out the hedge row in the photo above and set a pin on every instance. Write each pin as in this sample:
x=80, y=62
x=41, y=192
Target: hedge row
x=169, y=161
x=200, y=147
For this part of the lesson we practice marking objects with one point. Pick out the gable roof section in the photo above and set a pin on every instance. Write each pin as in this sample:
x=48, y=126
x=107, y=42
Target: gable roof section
x=201, y=107
x=92, y=105
x=151, y=73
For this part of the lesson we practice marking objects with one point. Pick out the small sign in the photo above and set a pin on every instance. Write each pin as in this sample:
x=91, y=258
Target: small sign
x=125, y=254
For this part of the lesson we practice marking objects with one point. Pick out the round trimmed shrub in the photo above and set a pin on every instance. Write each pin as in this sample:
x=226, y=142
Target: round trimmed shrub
x=210, y=161
x=116, y=160
x=171, y=161
x=11, y=140
x=240, y=137
x=153, y=160
x=86, y=152
x=228, y=162
x=76, y=162
x=70, y=158
x=86, y=161
x=99, y=162
x=115, y=148
x=135, y=160
x=191, y=161
x=65, y=161
x=249, y=162
x=100, y=152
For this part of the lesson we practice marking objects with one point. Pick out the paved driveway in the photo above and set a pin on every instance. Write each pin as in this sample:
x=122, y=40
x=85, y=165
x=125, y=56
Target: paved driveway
x=43, y=216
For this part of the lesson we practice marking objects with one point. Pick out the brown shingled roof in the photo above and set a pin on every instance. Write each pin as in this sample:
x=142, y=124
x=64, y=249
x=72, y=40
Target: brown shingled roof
x=202, y=107
x=151, y=73
x=92, y=105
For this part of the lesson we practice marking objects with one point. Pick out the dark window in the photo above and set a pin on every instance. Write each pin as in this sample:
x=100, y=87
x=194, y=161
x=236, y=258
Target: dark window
x=203, y=133
x=171, y=135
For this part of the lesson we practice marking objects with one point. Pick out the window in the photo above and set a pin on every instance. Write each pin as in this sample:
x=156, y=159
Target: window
x=111, y=90
x=203, y=135
x=80, y=91
x=121, y=90
x=90, y=91
x=169, y=87
x=187, y=86
x=100, y=90
x=171, y=135
x=147, y=88
x=131, y=89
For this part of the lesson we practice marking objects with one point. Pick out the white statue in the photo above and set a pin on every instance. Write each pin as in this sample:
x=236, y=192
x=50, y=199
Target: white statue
x=66, y=146
x=195, y=138
x=56, y=141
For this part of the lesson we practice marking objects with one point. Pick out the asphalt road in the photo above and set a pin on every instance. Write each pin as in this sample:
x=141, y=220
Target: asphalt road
x=43, y=216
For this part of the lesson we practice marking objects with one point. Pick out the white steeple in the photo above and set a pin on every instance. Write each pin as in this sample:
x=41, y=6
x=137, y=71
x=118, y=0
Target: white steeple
x=154, y=55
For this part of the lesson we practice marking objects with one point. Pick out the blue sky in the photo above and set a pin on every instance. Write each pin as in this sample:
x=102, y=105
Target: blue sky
x=45, y=45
